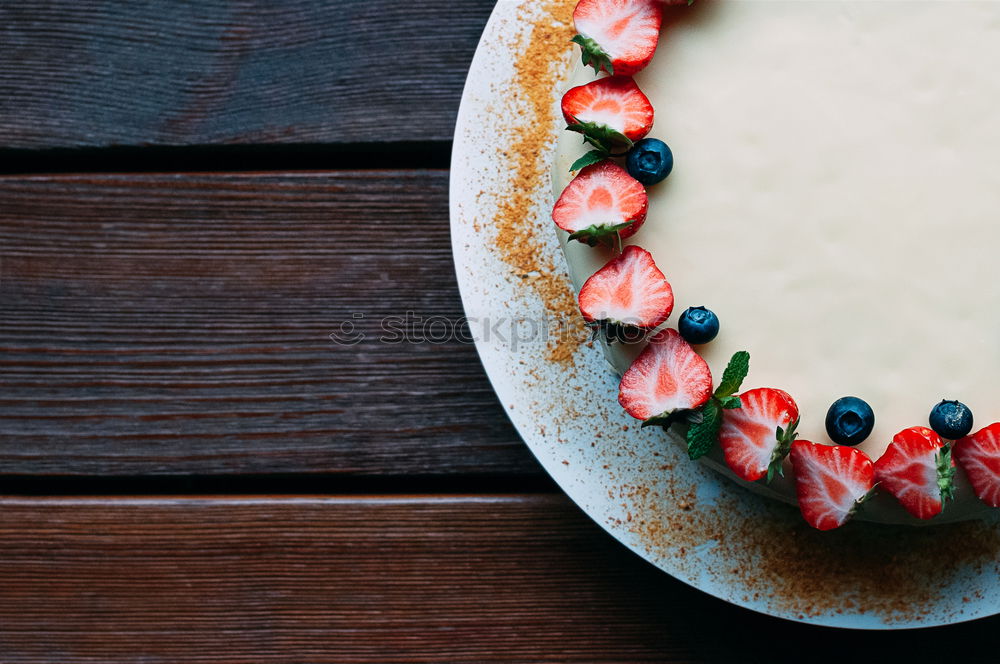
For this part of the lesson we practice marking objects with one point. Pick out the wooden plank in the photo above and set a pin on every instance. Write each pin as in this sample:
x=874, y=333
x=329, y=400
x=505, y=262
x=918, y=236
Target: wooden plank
x=93, y=73
x=181, y=324
x=415, y=579
x=407, y=579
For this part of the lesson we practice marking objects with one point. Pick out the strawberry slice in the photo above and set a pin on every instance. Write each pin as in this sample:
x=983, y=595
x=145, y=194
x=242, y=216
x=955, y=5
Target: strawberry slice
x=756, y=437
x=666, y=377
x=618, y=36
x=979, y=456
x=601, y=205
x=627, y=297
x=610, y=112
x=918, y=469
x=831, y=482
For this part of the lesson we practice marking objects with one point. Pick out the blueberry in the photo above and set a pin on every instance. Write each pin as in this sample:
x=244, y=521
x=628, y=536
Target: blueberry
x=649, y=161
x=951, y=419
x=698, y=325
x=849, y=421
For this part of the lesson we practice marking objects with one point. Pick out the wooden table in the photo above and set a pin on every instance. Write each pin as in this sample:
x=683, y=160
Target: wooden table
x=194, y=196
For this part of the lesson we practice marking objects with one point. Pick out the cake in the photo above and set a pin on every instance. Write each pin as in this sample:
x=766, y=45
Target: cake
x=833, y=202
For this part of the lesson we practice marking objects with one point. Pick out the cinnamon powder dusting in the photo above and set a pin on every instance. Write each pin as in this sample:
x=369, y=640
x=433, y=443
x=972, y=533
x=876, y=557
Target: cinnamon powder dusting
x=894, y=572
x=537, y=74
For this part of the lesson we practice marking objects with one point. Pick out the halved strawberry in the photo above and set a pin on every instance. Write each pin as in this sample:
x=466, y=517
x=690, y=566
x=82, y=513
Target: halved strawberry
x=918, y=469
x=979, y=456
x=666, y=377
x=601, y=204
x=627, y=297
x=618, y=36
x=831, y=482
x=756, y=437
x=610, y=112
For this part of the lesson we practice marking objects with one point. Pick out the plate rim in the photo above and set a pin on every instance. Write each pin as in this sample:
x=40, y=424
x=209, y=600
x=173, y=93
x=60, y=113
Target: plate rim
x=473, y=113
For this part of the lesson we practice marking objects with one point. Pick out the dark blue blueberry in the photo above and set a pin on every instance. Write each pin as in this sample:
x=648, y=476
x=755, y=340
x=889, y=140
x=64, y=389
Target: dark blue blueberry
x=698, y=325
x=849, y=421
x=649, y=161
x=951, y=419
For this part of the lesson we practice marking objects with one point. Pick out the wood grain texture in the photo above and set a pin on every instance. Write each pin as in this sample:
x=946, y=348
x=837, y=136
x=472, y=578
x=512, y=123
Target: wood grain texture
x=162, y=324
x=95, y=73
x=408, y=579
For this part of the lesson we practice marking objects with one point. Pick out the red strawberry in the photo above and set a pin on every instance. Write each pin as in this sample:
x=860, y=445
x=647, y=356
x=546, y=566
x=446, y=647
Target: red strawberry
x=666, y=377
x=756, y=437
x=831, y=482
x=610, y=112
x=601, y=204
x=627, y=297
x=618, y=36
x=917, y=468
x=979, y=456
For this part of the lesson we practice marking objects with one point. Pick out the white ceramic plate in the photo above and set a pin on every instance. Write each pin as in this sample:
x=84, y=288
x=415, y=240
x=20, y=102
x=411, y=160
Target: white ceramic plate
x=688, y=521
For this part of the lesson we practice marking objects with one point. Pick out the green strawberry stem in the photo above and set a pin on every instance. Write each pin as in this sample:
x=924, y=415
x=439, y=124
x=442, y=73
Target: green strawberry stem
x=602, y=137
x=666, y=420
x=613, y=331
x=862, y=500
x=603, y=234
x=945, y=473
x=785, y=438
x=593, y=55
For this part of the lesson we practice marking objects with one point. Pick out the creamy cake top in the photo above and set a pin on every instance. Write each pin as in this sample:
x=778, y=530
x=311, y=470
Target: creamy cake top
x=835, y=199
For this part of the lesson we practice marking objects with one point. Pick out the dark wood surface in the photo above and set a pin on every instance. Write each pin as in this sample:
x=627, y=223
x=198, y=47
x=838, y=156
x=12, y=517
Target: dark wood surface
x=364, y=578
x=180, y=323
x=87, y=73
x=462, y=578
x=196, y=196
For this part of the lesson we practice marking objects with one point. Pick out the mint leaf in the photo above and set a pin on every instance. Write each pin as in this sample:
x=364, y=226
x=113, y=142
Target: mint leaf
x=593, y=55
x=732, y=377
x=591, y=157
x=731, y=402
x=704, y=435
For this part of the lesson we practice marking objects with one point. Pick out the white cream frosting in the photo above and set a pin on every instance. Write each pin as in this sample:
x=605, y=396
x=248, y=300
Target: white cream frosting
x=835, y=200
